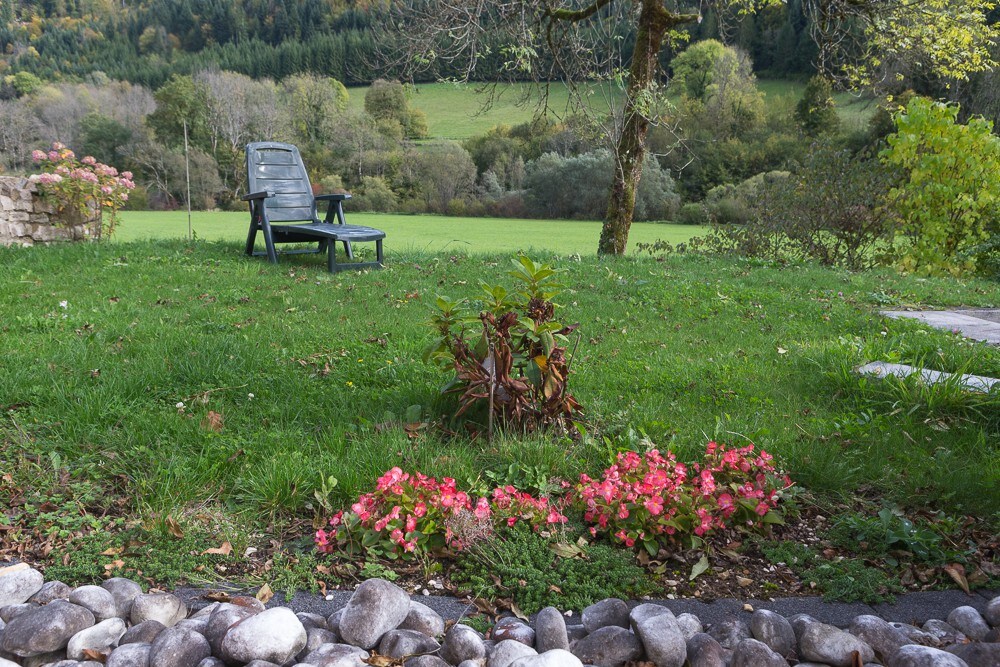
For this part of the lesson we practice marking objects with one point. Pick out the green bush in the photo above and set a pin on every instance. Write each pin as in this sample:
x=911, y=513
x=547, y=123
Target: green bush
x=948, y=199
x=693, y=214
x=523, y=566
x=817, y=111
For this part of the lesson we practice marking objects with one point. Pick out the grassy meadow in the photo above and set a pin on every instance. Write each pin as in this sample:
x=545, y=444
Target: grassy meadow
x=427, y=233
x=183, y=385
x=455, y=111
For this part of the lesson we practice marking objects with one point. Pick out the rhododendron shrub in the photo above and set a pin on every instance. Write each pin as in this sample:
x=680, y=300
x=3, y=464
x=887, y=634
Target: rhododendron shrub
x=82, y=187
x=415, y=514
x=652, y=500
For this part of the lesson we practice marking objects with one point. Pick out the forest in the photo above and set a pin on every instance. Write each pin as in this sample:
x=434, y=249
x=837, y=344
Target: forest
x=124, y=81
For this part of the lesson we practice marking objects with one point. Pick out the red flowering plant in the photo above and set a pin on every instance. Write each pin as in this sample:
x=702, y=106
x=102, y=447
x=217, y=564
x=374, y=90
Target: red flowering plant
x=83, y=188
x=654, y=499
x=409, y=515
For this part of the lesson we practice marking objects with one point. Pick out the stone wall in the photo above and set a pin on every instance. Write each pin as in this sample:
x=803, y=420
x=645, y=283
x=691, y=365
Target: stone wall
x=25, y=219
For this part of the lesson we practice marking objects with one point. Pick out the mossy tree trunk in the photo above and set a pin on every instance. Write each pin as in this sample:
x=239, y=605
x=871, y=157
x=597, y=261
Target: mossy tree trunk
x=653, y=23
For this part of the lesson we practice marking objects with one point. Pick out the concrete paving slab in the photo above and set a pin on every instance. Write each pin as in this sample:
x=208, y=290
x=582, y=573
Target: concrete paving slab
x=979, y=324
x=881, y=369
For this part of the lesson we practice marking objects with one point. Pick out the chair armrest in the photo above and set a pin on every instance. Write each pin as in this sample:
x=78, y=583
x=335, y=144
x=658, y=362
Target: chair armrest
x=341, y=197
x=257, y=195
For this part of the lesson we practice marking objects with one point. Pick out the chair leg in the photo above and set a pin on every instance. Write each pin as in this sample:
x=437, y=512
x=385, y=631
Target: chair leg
x=349, y=250
x=378, y=252
x=331, y=257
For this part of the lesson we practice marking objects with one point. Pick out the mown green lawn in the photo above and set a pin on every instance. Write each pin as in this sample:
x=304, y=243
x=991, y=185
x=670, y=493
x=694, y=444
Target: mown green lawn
x=455, y=111
x=168, y=388
x=429, y=233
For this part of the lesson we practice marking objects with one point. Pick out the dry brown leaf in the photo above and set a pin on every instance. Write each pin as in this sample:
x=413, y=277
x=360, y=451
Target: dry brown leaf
x=97, y=656
x=517, y=611
x=265, y=594
x=212, y=421
x=114, y=565
x=957, y=572
x=377, y=660
x=223, y=550
x=218, y=596
x=112, y=551
x=174, y=528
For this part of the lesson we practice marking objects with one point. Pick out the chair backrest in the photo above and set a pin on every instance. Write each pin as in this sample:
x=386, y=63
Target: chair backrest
x=277, y=167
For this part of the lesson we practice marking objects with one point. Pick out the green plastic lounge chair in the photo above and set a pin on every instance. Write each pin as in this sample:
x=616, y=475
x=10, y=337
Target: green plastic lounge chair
x=280, y=192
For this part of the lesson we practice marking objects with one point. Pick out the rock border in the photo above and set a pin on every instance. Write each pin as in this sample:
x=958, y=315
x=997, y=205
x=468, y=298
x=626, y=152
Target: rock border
x=51, y=624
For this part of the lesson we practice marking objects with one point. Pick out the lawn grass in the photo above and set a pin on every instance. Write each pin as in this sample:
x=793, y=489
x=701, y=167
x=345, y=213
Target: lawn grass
x=429, y=233
x=200, y=386
x=455, y=111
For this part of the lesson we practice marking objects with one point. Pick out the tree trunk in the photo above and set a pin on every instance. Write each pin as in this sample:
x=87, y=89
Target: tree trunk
x=653, y=23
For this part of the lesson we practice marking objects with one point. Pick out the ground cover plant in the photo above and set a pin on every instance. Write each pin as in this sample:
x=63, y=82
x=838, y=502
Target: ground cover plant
x=179, y=409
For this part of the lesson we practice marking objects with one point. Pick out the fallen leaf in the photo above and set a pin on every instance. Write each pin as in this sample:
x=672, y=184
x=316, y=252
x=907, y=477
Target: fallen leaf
x=265, y=594
x=112, y=551
x=218, y=596
x=564, y=550
x=97, y=656
x=957, y=572
x=517, y=612
x=114, y=565
x=699, y=568
x=212, y=421
x=224, y=550
x=782, y=350
x=174, y=528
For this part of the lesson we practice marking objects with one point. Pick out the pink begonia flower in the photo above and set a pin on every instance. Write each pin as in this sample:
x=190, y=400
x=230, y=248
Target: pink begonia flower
x=396, y=535
x=411, y=523
x=654, y=505
x=482, y=510
x=420, y=509
x=623, y=512
x=555, y=517
x=762, y=508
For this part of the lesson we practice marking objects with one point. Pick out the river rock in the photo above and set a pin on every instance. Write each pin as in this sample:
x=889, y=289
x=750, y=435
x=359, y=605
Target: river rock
x=825, y=643
x=400, y=643
x=556, y=657
x=730, y=632
x=550, y=630
x=913, y=655
x=311, y=620
x=9, y=612
x=977, y=654
x=775, y=631
x=754, y=653
x=18, y=583
x=275, y=635
x=425, y=661
x=462, y=643
x=211, y=661
x=969, y=621
x=914, y=635
x=98, y=600
x=178, y=647
x=316, y=637
x=166, y=608
x=610, y=611
x=51, y=591
x=199, y=625
x=884, y=639
x=98, y=637
x=689, y=624
x=376, y=607
x=661, y=636
x=943, y=631
x=224, y=617
x=423, y=619
x=703, y=650
x=507, y=651
x=511, y=627
x=992, y=613
x=337, y=655
x=45, y=629
x=609, y=646
x=129, y=655
x=44, y=659
x=144, y=633
x=799, y=623
x=124, y=591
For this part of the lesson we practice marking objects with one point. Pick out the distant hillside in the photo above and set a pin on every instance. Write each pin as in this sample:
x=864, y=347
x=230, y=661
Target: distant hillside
x=145, y=41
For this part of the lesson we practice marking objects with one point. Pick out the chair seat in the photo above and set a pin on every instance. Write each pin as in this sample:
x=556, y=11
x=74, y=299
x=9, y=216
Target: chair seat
x=333, y=230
